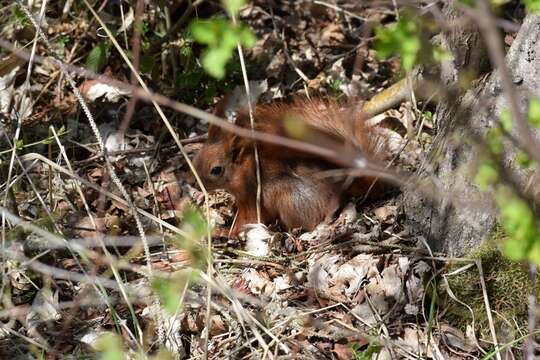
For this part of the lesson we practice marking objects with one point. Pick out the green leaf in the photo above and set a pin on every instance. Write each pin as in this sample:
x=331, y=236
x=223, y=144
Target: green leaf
x=18, y=15
x=61, y=43
x=214, y=61
x=400, y=38
x=207, y=31
x=186, y=51
x=246, y=37
x=195, y=230
x=523, y=160
x=515, y=249
x=486, y=176
x=19, y=144
x=532, y=5
x=409, y=51
x=194, y=224
x=168, y=294
x=98, y=57
x=147, y=64
x=233, y=6
x=222, y=37
x=506, y=120
x=335, y=85
x=440, y=54
x=110, y=346
x=170, y=290
x=499, y=3
x=164, y=354
x=494, y=140
x=534, y=252
x=519, y=222
x=210, y=92
x=372, y=350
x=189, y=80
x=517, y=217
x=534, y=112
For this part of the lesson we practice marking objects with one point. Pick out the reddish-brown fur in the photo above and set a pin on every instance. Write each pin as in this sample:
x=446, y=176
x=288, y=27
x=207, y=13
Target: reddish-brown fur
x=293, y=190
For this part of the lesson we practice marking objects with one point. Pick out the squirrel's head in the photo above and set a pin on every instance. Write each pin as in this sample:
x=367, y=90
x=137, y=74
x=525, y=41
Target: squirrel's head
x=213, y=164
x=218, y=158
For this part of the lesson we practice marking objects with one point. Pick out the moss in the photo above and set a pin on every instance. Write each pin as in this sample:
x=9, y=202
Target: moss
x=507, y=286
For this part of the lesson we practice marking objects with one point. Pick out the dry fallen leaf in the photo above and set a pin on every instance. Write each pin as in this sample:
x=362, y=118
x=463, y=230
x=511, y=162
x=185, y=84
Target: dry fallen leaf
x=351, y=274
x=217, y=325
x=258, y=283
x=257, y=239
x=371, y=310
x=320, y=269
x=383, y=213
x=343, y=351
x=453, y=337
x=411, y=340
x=93, y=90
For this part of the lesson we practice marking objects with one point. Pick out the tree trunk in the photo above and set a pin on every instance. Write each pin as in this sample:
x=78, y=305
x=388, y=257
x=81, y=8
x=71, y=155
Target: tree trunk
x=461, y=217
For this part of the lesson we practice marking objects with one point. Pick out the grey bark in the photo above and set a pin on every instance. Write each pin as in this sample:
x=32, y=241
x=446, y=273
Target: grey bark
x=459, y=218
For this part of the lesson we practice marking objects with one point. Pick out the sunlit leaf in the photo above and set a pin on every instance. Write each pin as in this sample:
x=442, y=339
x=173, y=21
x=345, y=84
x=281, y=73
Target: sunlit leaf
x=523, y=160
x=165, y=354
x=486, y=176
x=506, y=120
x=409, y=51
x=207, y=31
x=534, y=252
x=246, y=37
x=515, y=249
x=400, y=38
x=519, y=223
x=222, y=38
x=195, y=230
x=440, y=54
x=110, y=347
x=233, y=6
x=170, y=290
x=494, y=140
x=532, y=5
x=534, y=112
x=193, y=223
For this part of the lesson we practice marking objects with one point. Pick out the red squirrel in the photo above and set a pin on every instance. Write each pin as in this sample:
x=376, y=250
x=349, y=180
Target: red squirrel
x=293, y=188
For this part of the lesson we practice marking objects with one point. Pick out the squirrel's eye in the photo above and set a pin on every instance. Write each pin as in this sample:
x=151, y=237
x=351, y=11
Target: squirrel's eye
x=216, y=171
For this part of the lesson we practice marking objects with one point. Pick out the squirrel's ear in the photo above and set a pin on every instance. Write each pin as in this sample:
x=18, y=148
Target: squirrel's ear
x=215, y=133
x=224, y=110
x=238, y=147
x=242, y=119
x=237, y=154
x=220, y=108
